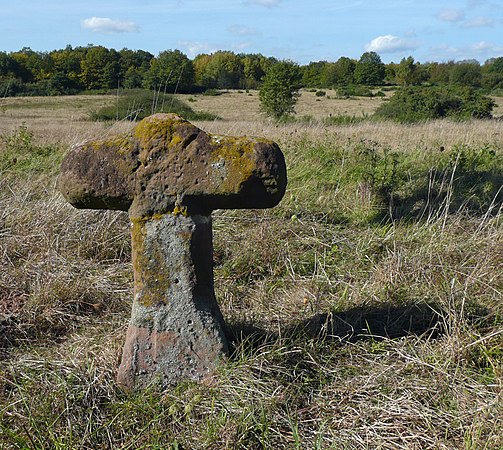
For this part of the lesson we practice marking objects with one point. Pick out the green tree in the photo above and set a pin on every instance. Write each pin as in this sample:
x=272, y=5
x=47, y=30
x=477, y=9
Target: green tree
x=25, y=63
x=8, y=65
x=405, y=71
x=254, y=68
x=339, y=73
x=345, y=70
x=222, y=70
x=10, y=82
x=134, y=66
x=312, y=74
x=280, y=89
x=36, y=66
x=370, y=69
x=408, y=72
x=439, y=72
x=466, y=73
x=172, y=70
x=100, y=68
x=492, y=73
x=65, y=77
x=328, y=75
x=495, y=65
x=68, y=61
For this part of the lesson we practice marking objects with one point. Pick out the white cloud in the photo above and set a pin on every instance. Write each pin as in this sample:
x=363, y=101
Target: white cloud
x=389, y=44
x=451, y=15
x=242, y=30
x=444, y=51
x=479, y=50
x=475, y=3
x=478, y=22
x=195, y=48
x=486, y=48
x=266, y=3
x=109, y=26
x=240, y=46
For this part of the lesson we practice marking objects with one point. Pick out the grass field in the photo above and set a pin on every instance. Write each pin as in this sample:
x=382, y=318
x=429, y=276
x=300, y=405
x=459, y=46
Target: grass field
x=364, y=312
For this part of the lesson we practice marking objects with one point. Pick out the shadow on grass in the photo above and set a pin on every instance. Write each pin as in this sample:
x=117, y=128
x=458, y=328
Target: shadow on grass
x=363, y=323
x=470, y=181
x=14, y=334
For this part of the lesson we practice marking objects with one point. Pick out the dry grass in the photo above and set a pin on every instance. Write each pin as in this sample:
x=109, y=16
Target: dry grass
x=57, y=120
x=65, y=119
x=245, y=106
x=428, y=137
x=348, y=332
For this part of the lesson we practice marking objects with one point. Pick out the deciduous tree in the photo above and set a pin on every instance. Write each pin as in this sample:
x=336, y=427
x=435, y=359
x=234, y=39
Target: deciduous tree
x=369, y=69
x=280, y=89
x=172, y=71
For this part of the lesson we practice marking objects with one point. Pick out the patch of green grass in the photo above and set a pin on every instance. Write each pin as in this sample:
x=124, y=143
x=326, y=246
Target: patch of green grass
x=21, y=156
x=363, y=180
x=342, y=119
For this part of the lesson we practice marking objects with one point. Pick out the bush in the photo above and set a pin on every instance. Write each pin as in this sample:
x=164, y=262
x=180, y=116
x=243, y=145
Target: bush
x=320, y=93
x=212, y=92
x=10, y=87
x=413, y=104
x=136, y=104
x=280, y=90
x=354, y=91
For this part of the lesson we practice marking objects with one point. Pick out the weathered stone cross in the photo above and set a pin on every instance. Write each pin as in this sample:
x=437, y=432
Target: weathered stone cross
x=170, y=175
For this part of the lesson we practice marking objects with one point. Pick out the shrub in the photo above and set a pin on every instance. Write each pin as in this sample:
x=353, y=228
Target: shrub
x=137, y=104
x=413, y=104
x=212, y=92
x=10, y=87
x=280, y=90
x=320, y=93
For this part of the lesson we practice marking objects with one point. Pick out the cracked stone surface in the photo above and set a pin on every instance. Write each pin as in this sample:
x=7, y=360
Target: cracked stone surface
x=169, y=175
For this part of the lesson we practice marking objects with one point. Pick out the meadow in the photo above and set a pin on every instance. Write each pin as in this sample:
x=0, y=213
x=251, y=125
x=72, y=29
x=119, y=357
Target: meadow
x=364, y=312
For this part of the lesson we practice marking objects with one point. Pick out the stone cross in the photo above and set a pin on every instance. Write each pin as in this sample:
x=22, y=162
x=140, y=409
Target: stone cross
x=170, y=175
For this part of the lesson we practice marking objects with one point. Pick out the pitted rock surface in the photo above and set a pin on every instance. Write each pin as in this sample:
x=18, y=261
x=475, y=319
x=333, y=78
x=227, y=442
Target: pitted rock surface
x=170, y=175
x=166, y=163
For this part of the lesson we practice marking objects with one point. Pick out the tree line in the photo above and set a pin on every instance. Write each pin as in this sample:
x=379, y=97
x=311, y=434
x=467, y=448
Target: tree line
x=97, y=68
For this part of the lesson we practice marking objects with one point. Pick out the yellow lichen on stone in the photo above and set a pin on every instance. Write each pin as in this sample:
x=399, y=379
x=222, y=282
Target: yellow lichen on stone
x=151, y=280
x=175, y=140
x=160, y=127
x=180, y=210
x=122, y=144
x=238, y=156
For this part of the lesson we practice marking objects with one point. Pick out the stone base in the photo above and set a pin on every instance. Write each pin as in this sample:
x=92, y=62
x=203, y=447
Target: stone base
x=176, y=328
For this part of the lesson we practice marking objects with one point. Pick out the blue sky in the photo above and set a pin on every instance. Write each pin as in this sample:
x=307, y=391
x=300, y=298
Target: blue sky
x=303, y=31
